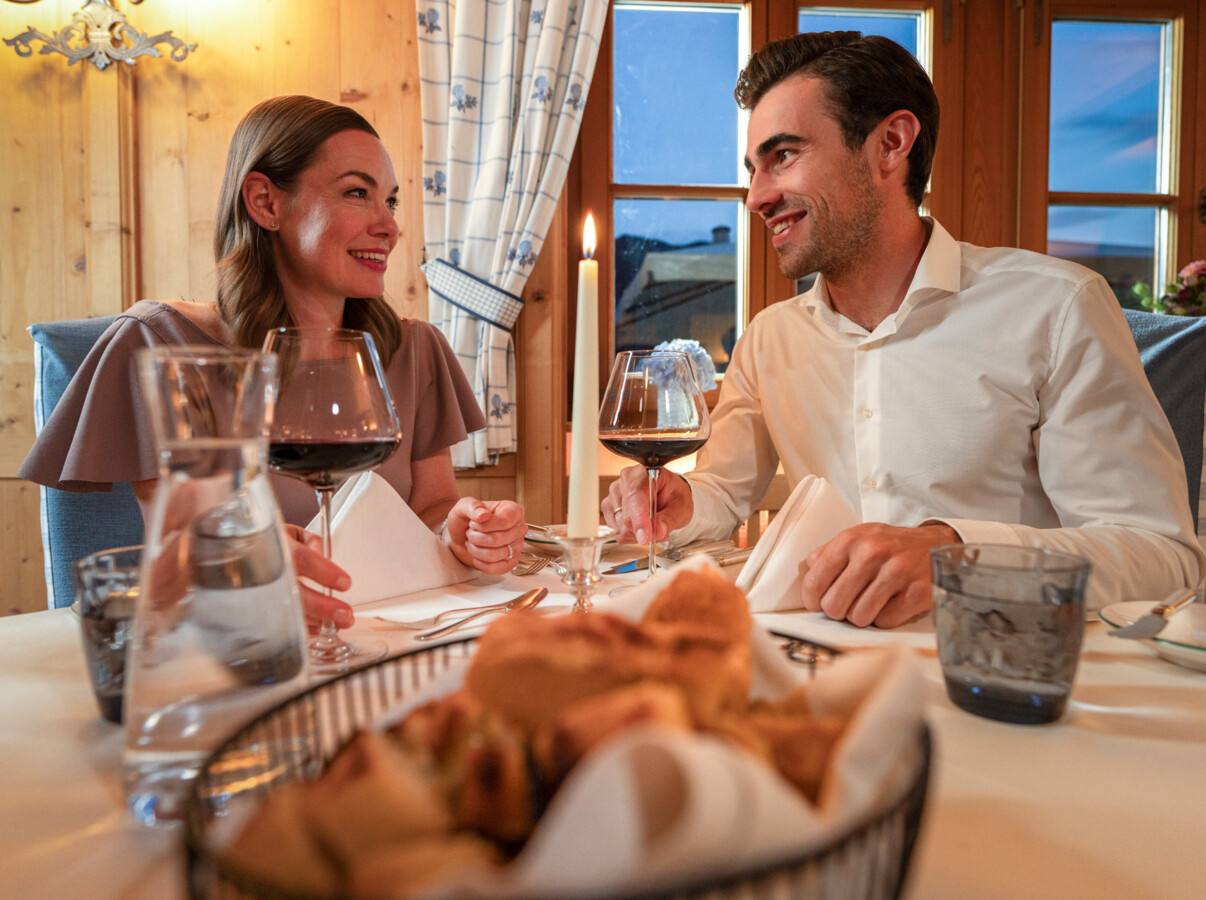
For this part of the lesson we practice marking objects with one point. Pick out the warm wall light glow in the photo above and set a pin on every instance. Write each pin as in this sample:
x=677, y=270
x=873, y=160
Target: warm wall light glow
x=588, y=237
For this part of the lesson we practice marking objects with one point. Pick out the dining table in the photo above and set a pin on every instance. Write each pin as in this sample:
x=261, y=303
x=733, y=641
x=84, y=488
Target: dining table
x=1109, y=801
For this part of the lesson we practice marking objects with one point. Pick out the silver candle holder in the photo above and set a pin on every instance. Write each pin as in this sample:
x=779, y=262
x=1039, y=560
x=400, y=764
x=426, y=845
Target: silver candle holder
x=580, y=557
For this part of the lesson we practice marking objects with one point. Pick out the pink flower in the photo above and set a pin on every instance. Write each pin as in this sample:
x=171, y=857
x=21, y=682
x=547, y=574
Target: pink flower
x=1195, y=268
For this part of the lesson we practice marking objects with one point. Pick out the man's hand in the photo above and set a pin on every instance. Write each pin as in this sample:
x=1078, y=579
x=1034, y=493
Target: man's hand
x=308, y=562
x=487, y=535
x=874, y=574
x=626, y=507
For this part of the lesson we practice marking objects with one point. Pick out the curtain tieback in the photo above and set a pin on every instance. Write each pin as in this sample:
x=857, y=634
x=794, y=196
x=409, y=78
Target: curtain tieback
x=472, y=294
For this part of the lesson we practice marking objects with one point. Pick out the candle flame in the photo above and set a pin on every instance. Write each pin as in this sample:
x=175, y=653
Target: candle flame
x=588, y=237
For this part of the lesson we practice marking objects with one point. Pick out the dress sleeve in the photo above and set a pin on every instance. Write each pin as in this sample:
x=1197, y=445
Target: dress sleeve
x=445, y=409
x=99, y=432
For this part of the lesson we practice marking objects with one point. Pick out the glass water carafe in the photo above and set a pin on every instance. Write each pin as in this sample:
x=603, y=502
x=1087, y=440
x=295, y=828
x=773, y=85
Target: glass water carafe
x=218, y=632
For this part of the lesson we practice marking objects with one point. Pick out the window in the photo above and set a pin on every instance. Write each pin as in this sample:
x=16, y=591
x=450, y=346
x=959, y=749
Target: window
x=1062, y=132
x=1109, y=155
x=676, y=186
x=1106, y=168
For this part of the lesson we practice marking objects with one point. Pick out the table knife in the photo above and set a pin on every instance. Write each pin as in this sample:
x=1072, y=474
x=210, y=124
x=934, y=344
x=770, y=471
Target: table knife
x=726, y=557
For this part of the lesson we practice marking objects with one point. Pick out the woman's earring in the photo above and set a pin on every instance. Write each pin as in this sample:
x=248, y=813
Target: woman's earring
x=272, y=224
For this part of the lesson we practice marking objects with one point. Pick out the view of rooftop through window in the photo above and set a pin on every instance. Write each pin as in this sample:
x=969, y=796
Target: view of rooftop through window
x=678, y=140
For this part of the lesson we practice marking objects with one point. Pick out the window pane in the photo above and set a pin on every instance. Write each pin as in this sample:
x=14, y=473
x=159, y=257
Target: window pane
x=676, y=274
x=900, y=27
x=1118, y=242
x=1106, y=130
x=675, y=120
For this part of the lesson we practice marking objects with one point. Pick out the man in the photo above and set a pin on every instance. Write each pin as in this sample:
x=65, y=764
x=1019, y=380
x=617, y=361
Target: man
x=949, y=392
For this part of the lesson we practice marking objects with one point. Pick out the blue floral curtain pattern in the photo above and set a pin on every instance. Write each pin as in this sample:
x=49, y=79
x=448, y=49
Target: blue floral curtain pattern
x=503, y=87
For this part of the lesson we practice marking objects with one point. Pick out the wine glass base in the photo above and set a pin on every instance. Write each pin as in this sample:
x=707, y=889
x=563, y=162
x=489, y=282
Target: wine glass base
x=336, y=657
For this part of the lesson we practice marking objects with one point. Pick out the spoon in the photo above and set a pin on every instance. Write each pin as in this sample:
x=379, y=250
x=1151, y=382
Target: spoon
x=525, y=600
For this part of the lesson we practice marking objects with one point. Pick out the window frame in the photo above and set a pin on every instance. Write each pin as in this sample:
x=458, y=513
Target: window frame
x=759, y=281
x=989, y=183
x=1036, y=198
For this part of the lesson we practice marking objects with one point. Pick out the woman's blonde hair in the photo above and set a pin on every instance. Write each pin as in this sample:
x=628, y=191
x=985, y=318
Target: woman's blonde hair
x=279, y=138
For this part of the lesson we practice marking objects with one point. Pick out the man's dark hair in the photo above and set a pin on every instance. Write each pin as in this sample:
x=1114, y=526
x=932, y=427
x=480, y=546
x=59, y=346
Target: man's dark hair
x=866, y=79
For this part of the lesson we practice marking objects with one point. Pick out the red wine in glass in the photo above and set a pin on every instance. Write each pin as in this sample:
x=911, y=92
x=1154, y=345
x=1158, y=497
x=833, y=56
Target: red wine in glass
x=651, y=449
x=653, y=411
x=328, y=463
x=334, y=418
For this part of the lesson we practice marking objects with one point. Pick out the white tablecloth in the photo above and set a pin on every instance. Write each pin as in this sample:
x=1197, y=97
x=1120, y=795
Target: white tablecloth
x=1108, y=802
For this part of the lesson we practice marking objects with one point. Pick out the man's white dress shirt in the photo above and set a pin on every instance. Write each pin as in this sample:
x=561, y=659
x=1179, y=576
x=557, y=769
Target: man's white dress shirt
x=1004, y=397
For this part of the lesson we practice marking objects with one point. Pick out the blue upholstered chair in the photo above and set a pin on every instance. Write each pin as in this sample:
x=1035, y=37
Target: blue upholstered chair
x=1173, y=350
x=74, y=525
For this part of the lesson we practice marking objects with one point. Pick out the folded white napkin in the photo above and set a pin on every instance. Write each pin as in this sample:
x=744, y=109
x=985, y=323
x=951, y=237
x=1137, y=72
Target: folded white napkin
x=383, y=545
x=813, y=513
x=656, y=808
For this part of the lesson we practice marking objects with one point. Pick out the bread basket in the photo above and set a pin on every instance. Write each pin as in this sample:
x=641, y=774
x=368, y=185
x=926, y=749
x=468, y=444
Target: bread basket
x=297, y=739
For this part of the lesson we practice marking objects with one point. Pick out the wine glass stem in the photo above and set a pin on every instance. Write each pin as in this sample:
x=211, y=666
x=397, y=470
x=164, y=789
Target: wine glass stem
x=328, y=638
x=653, y=473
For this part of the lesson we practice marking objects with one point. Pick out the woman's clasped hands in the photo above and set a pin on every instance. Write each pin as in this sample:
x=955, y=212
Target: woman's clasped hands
x=484, y=535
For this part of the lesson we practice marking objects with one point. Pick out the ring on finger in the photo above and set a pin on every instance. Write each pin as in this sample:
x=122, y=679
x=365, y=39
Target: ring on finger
x=617, y=510
x=510, y=552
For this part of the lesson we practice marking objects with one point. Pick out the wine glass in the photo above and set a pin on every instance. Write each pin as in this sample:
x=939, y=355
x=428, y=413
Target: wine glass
x=334, y=418
x=653, y=412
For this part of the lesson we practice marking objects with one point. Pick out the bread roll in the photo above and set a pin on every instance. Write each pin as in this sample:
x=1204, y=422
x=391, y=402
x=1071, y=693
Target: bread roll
x=529, y=667
x=412, y=869
x=496, y=795
x=277, y=847
x=704, y=598
x=583, y=726
x=373, y=795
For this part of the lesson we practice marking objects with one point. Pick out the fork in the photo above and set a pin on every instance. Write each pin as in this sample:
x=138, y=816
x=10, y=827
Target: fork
x=530, y=565
x=424, y=624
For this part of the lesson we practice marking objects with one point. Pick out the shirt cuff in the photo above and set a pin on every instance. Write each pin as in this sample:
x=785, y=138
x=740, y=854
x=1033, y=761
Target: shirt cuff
x=973, y=531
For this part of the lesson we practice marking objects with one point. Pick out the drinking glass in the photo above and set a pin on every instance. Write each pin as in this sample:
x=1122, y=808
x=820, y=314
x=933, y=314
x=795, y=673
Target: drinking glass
x=218, y=634
x=1009, y=623
x=334, y=418
x=653, y=412
x=106, y=591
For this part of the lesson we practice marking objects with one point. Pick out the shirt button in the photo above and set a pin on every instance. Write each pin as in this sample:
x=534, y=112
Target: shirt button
x=870, y=484
x=867, y=413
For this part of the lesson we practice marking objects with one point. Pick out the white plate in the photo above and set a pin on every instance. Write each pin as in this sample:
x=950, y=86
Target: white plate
x=1183, y=640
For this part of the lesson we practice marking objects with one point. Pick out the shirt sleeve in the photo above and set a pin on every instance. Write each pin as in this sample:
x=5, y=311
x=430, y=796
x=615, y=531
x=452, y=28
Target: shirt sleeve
x=1108, y=462
x=738, y=462
x=99, y=432
x=445, y=409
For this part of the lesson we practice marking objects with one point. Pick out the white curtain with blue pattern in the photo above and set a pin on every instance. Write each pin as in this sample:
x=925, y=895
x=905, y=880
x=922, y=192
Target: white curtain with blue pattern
x=504, y=83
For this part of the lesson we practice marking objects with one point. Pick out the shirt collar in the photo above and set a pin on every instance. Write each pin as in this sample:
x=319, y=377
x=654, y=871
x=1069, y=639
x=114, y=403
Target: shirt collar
x=937, y=274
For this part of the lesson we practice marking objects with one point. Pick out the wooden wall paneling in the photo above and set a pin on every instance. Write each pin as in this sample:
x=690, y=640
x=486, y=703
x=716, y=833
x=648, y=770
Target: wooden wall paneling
x=1192, y=243
x=43, y=268
x=542, y=336
x=951, y=83
x=1198, y=231
x=490, y=482
x=989, y=61
x=169, y=266
x=379, y=77
x=21, y=549
x=109, y=225
x=1035, y=42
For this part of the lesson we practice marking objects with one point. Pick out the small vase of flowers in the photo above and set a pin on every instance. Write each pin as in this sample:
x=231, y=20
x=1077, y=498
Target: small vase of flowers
x=701, y=362
x=1185, y=296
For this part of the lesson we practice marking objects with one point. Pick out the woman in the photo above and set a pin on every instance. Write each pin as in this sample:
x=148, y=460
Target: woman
x=304, y=228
